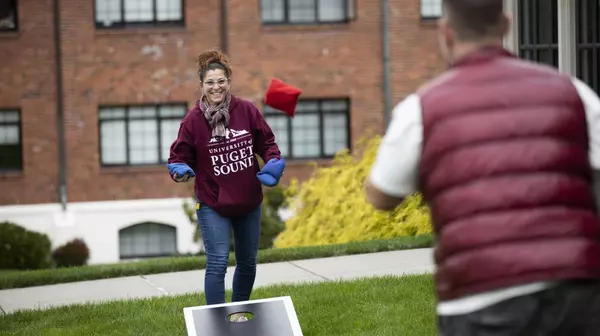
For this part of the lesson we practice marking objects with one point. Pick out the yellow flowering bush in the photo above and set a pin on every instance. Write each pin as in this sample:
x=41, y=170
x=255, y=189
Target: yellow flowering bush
x=331, y=206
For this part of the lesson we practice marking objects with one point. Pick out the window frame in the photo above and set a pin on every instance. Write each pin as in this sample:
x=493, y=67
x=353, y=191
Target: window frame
x=15, y=4
x=127, y=120
x=154, y=23
x=144, y=256
x=320, y=113
x=19, y=124
x=593, y=46
x=533, y=28
x=349, y=9
x=429, y=17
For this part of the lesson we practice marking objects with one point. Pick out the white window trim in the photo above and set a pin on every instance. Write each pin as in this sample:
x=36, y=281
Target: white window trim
x=567, y=51
x=431, y=17
x=349, y=15
x=511, y=40
x=567, y=48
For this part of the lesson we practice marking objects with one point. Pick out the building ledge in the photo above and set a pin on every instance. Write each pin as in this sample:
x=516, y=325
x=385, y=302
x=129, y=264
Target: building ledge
x=11, y=174
x=134, y=169
x=140, y=30
x=9, y=34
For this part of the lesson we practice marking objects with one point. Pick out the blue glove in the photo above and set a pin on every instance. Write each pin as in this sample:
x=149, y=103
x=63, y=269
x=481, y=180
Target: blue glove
x=180, y=172
x=271, y=172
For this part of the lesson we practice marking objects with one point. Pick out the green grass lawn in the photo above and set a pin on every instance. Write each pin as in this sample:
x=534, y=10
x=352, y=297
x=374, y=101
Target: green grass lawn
x=21, y=279
x=387, y=306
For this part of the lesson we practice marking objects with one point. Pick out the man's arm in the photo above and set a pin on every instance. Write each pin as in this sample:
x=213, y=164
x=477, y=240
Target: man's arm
x=591, y=103
x=394, y=174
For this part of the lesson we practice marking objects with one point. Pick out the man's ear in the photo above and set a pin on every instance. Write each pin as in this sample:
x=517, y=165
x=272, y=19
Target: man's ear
x=441, y=22
x=443, y=27
x=446, y=31
x=445, y=39
x=506, y=22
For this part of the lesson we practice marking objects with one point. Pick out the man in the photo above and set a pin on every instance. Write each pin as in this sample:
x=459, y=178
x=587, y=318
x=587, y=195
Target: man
x=503, y=151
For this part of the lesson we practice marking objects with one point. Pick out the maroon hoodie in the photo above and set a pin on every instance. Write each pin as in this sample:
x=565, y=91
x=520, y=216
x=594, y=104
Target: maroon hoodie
x=226, y=170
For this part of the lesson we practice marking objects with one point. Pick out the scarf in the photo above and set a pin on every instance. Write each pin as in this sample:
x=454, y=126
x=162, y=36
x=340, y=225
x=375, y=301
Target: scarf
x=217, y=115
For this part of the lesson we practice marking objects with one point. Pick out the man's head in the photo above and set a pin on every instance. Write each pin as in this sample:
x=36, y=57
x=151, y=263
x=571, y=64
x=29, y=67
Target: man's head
x=469, y=24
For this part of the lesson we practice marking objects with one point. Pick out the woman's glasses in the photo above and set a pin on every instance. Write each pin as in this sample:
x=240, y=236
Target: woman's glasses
x=220, y=82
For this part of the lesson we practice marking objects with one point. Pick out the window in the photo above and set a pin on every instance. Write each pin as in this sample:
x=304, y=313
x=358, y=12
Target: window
x=431, y=9
x=8, y=15
x=538, y=31
x=120, y=13
x=138, y=135
x=319, y=129
x=306, y=11
x=147, y=240
x=11, y=149
x=588, y=42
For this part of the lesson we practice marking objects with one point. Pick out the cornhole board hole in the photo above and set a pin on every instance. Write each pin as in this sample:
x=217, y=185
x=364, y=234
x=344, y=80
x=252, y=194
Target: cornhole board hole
x=267, y=317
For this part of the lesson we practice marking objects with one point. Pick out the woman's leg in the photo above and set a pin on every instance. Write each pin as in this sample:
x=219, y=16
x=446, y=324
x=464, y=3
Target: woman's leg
x=216, y=236
x=246, y=235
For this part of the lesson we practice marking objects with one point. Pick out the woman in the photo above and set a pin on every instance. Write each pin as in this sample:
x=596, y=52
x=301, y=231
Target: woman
x=216, y=143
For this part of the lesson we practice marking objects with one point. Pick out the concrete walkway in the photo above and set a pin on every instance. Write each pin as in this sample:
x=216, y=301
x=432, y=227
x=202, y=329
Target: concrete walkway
x=314, y=270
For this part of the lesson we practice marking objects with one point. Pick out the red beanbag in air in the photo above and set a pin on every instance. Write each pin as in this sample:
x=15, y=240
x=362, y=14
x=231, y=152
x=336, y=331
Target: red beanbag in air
x=282, y=96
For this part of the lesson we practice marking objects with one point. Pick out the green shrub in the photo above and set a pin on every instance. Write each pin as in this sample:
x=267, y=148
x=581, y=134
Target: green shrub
x=73, y=253
x=271, y=224
x=331, y=207
x=189, y=207
x=23, y=249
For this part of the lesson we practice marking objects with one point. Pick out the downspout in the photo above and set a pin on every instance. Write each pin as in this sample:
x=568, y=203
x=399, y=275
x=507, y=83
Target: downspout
x=62, y=169
x=385, y=34
x=223, y=24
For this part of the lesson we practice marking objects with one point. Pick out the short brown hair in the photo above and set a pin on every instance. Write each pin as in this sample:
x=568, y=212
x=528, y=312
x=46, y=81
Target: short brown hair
x=475, y=19
x=213, y=59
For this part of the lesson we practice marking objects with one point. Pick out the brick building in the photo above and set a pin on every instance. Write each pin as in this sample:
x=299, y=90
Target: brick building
x=91, y=98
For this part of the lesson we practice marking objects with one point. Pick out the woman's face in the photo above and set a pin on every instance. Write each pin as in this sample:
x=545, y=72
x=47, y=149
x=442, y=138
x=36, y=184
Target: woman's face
x=215, y=86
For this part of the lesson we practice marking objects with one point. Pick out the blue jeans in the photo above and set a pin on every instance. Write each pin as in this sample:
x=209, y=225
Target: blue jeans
x=216, y=234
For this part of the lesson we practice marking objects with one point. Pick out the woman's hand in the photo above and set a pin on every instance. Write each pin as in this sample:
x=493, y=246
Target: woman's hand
x=271, y=172
x=180, y=172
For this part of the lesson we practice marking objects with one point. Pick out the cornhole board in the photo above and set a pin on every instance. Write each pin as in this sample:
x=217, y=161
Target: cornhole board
x=272, y=317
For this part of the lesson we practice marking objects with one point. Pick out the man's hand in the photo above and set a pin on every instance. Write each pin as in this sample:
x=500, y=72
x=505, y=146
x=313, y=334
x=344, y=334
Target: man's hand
x=379, y=200
x=180, y=172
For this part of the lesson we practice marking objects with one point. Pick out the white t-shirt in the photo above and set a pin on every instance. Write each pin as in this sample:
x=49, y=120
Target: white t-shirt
x=397, y=175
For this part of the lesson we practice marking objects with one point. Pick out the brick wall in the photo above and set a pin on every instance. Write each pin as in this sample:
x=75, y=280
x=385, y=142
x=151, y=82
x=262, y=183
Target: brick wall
x=128, y=66
x=415, y=58
x=125, y=66
x=28, y=82
x=325, y=61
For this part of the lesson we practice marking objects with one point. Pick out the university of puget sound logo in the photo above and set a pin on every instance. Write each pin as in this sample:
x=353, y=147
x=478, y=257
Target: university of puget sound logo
x=231, y=153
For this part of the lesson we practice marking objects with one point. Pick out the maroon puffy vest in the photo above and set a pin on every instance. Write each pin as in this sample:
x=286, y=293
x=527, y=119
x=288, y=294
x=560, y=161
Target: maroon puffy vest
x=506, y=174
